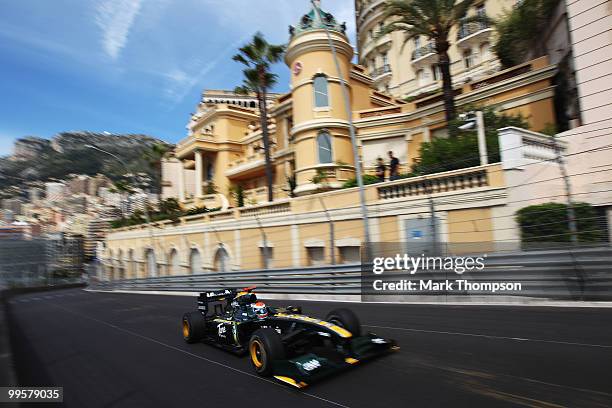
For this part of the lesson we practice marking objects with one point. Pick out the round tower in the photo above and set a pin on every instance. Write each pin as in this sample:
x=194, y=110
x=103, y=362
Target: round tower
x=323, y=151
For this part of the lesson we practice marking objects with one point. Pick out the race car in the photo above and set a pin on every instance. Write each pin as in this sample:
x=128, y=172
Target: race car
x=281, y=342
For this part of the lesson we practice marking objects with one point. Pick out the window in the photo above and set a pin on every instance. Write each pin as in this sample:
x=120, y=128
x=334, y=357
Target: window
x=195, y=262
x=325, y=147
x=435, y=72
x=385, y=59
x=222, y=260
x=467, y=59
x=417, y=43
x=320, y=91
x=349, y=254
x=151, y=264
x=266, y=253
x=481, y=11
x=174, y=264
x=421, y=77
x=485, y=51
x=316, y=256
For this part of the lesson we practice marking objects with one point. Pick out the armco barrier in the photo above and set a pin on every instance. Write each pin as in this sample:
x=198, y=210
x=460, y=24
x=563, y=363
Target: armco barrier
x=554, y=274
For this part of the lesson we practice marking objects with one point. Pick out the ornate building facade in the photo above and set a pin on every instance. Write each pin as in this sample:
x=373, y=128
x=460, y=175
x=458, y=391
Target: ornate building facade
x=407, y=69
x=312, y=160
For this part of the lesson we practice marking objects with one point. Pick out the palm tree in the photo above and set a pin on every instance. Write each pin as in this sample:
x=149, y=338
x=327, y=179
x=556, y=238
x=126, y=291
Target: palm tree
x=432, y=19
x=257, y=56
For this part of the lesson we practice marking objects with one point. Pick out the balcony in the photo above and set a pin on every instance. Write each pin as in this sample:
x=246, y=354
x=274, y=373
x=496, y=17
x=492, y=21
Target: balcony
x=425, y=55
x=473, y=33
x=248, y=167
x=380, y=44
x=381, y=73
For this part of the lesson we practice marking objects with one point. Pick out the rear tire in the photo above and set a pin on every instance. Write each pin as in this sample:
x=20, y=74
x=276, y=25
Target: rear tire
x=194, y=327
x=265, y=347
x=346, y=319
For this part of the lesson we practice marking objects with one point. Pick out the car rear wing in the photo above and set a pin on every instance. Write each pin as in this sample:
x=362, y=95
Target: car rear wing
x=220, y=299
x=205, y=299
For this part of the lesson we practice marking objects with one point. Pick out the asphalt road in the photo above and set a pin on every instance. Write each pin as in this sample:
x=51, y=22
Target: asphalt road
x=119, y=350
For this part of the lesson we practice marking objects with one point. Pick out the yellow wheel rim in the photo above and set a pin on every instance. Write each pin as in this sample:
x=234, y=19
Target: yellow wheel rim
x=185, y=329
x=256, y=351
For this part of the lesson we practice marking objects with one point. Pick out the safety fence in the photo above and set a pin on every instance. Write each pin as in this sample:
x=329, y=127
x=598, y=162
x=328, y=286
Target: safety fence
x=36, y=262
x=584, y=273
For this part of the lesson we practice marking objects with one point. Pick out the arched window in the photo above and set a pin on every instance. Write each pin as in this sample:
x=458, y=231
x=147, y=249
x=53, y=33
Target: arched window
x=131, y=270
x=195, y=262
x=321, y=92
x=222, y=260
x=111, y=262
x=121, y=264
x=174, y=263
x=151, y=264
x=324, y=147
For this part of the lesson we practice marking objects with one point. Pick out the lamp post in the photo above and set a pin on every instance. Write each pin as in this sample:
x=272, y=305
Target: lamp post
x=477, y=119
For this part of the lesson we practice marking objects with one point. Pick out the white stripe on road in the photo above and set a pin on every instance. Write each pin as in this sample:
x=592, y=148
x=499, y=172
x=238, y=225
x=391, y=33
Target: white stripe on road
x=487, y=336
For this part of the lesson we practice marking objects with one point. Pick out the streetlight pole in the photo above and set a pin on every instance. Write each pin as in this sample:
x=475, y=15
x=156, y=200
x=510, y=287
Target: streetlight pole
x=349, y=114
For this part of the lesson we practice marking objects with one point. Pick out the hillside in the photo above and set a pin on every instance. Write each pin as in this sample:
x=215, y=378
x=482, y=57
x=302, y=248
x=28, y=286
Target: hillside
x=37, y=160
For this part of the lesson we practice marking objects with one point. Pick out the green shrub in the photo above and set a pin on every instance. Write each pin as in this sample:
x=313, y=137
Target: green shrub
x=367, y=179
x=237, y=193
x=460, y=150
x=549, y=222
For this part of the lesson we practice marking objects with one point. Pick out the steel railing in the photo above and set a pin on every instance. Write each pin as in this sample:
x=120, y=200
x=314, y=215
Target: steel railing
x=556, y=274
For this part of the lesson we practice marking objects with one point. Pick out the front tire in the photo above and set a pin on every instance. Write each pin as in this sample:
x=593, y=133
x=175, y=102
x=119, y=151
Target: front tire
x=194, y=327
x=265, y=347
x=346, y=319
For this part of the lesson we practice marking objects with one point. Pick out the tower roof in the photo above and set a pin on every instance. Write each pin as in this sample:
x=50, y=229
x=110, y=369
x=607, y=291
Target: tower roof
x=317, y=19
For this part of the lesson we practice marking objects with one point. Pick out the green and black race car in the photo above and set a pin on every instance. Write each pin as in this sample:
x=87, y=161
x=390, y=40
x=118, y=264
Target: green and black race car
x=281, y=342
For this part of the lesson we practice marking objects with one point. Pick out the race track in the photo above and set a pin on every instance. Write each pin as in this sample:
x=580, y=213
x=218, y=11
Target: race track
x=120, y=350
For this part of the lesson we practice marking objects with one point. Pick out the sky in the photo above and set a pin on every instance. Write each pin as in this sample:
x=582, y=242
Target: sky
x=129, y=66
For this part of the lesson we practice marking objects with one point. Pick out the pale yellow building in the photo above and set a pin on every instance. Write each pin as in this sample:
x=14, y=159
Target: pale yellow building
x=311, y=143
x=407, y=69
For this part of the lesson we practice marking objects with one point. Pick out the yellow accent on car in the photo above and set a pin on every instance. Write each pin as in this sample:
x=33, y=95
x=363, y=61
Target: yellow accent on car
x=351, y=360
x=291, y=381
x=342, y=332
x=185, y=329
x=253, y=349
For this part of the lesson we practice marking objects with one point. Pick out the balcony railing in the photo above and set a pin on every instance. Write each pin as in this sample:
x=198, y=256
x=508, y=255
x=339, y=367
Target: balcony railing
x=423, y=51
x=467, y=29
x=380, y=71
x=434, y=184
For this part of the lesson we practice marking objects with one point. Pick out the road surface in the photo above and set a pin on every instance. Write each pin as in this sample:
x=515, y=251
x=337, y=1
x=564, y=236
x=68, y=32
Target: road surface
x=123, y=350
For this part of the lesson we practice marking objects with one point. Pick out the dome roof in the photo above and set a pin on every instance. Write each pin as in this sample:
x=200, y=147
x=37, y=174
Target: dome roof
x=316, y=20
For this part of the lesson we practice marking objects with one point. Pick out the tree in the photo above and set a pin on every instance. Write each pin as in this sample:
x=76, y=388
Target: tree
x=434, y=20
x=519, y=31
x=257, y=56
x=461, y=151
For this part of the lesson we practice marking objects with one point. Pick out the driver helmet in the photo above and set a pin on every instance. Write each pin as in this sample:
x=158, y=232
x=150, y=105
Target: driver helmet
x=260, y=310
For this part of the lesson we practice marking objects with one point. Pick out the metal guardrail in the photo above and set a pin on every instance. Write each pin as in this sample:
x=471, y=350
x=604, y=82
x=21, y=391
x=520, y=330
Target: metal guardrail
x=553, y=274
